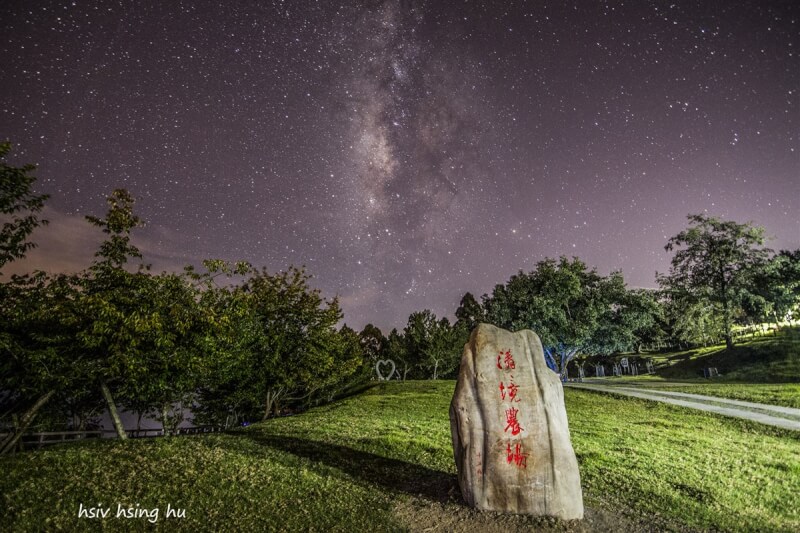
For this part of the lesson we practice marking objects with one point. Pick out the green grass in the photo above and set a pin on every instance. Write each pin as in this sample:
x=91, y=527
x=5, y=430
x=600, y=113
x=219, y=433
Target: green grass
x=771, y=358
x=383, y=460
x=785, y=394
x=710, y=472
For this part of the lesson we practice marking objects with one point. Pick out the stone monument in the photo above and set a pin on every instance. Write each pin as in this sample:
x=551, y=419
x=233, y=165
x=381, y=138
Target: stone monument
x=510, y=435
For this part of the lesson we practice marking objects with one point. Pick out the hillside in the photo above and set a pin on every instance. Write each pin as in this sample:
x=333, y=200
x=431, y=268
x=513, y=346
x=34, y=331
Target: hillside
x=773, y=358
x=382, y=460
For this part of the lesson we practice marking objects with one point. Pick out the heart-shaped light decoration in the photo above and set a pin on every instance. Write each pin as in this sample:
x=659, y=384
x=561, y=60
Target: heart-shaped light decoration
x=378, y=369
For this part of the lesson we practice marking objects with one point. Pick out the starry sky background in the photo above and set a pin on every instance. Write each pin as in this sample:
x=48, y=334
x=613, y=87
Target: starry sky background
x=406, y=152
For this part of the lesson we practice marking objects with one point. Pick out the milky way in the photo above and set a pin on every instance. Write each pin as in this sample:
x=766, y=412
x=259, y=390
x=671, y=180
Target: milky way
x=405, y=152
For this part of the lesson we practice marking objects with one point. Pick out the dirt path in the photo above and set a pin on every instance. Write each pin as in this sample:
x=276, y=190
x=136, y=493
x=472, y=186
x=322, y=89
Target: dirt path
x=424, y=516
x=773, y=415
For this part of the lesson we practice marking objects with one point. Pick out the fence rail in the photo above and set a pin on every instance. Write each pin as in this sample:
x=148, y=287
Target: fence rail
x=43, y=438
x=53, y=437
x=200, y=429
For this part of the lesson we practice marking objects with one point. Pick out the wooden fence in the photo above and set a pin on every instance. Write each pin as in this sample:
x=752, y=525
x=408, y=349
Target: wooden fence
x=43, y=438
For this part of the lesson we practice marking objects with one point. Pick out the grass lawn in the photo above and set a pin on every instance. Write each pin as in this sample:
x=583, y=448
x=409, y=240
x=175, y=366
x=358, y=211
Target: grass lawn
x=382, y=460
x=764, y=369
x=773, y=358
x=785, y=394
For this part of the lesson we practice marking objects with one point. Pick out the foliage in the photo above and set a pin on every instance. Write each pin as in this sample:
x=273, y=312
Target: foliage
x=372, y=342
x=347, y=370
x=288, y=349
x=434, y=345
x=713, y=263
x=642, y=315
x=693, y=321
x=373, y=347
x=396, y=349
x=570, y=307
x=444, y=349
x=626, y=320
x=222, y=398
x=774, y=291
x=469, y=314
x=37, y=352
x=173, y=338
x=110, y=322
x=18, y=203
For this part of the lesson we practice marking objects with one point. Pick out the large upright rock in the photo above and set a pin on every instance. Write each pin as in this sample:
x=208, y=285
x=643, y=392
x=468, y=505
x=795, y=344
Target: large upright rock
x=509, y=425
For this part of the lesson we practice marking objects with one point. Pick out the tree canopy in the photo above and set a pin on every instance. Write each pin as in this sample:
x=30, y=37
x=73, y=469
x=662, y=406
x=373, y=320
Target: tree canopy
x=563, y=301
x=714, y=262
x=19, y=208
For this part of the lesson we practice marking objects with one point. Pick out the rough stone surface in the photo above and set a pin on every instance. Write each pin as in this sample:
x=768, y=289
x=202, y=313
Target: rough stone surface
x=511, y=444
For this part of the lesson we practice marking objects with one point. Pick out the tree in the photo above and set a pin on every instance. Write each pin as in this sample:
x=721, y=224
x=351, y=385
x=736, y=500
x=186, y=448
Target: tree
x=117, y=249
x=396, y=349
x=632, y=319
x=18, y=202
x=110, y=299
x=644, y=314
x=775, y=287
x=372, y=343
x=785, y=295
x=563, y=302
x=431, y=343
x=292, y=322
x=694, y=321
x=226, y=395
x=173, y=336
x=38, y=361
x=444, y=348
x=713, y=261
x=417, y=335
x=347, y=366
x=469, y=313
x=287, y=350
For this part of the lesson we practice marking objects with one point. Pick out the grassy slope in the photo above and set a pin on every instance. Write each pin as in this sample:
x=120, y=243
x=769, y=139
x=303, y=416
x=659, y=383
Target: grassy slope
x=762, y=369
x=786, y=394
x=350, y=465
x=767, y=359
x=712, y=472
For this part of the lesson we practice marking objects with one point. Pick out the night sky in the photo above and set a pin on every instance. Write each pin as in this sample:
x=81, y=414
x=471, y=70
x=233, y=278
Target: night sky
x=405, y=152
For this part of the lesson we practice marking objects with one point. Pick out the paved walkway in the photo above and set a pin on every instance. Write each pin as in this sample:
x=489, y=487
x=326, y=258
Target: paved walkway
x=773, y=415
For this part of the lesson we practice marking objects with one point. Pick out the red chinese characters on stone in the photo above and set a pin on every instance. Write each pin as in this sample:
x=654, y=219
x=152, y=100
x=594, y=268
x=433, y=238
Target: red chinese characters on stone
x=516, y=456
x=510, y=390
x=507, y=360
x=511, y=421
